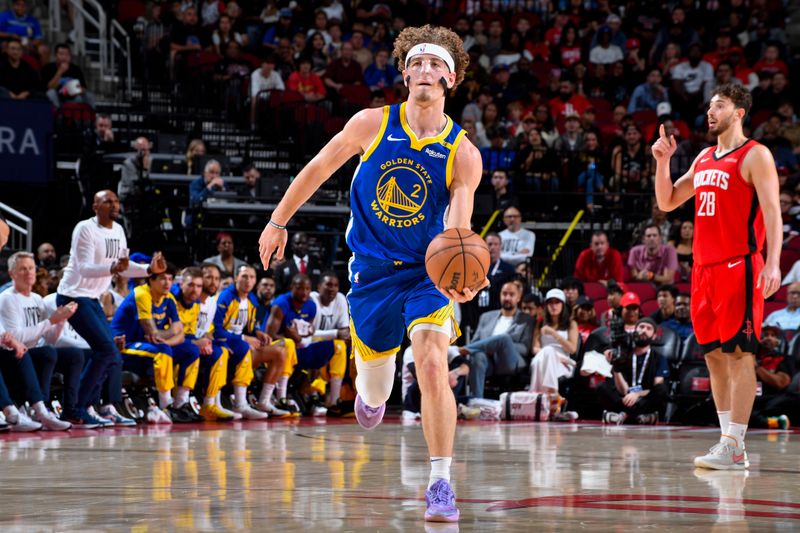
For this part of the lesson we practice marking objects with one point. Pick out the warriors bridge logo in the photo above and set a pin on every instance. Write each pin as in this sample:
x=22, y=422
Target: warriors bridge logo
x=401, y=193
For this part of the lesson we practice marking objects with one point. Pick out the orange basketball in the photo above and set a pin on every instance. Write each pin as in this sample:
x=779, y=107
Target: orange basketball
x=457, y=258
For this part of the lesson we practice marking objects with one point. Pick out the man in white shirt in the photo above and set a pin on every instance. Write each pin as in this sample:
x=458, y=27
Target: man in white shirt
x=11, y=417
x=265, y=78
x=23, y=314
x=605, y=53
x=502, y=341
x=787, y=318
x=689, y=79
x=99, y=250
x=332, y=322
x=517, y=242
x=214, y=369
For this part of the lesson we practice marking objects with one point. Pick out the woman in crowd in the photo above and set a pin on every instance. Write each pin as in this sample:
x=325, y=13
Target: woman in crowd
x=553, y=343
x=683, y=246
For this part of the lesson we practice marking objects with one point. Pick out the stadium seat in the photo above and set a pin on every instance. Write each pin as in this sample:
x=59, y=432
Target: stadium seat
x=770, y=307
x=781, y=295
x=668, y=344
x=600, y=307
x=645, y=290
x=692, y=352
x=788, y=259
x=595, y=291
x=684, y=287
x=357, y=95
x=649, y=307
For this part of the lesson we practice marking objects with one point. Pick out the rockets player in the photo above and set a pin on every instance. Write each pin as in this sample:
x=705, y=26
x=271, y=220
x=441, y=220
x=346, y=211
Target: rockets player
x=735, y=185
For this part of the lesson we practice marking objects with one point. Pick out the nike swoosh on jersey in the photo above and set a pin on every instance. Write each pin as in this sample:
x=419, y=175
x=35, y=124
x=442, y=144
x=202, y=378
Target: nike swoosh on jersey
x=390, y=138
x=731, y=265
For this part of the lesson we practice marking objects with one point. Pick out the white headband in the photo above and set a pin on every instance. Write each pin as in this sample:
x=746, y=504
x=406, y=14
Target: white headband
x=434, y=50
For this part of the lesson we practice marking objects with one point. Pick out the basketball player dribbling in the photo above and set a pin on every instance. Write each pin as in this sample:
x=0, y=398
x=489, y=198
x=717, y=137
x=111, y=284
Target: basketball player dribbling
x=417, y=176
x=735, y=185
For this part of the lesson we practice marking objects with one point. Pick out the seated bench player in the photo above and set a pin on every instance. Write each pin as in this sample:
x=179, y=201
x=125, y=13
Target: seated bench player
x=291, y=319
x=148, y=319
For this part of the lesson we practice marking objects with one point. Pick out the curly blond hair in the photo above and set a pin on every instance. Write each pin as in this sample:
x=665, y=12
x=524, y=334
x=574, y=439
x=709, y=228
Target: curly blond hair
x=445, y=38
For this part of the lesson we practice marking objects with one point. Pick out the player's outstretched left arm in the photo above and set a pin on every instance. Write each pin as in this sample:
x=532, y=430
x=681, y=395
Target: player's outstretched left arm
x=357, y=134
x=467, y=171
x=759, y=165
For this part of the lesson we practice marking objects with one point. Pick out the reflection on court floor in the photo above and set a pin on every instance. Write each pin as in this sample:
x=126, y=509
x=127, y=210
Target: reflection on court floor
x=332, y=476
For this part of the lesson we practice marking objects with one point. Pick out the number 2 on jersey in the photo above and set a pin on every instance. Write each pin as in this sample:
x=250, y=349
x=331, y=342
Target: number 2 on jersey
x=708, y=204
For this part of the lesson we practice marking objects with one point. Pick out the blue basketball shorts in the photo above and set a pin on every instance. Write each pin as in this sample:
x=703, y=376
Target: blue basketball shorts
x=387, y=300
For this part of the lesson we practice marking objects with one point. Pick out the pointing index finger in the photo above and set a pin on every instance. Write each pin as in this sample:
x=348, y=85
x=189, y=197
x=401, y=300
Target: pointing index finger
x=661, y=132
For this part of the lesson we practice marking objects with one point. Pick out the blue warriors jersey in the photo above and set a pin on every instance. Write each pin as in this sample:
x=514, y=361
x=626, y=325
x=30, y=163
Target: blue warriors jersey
x=187, y=311
x=139, y=305
x=400, y=190
x=234, y=315
x=301, y=319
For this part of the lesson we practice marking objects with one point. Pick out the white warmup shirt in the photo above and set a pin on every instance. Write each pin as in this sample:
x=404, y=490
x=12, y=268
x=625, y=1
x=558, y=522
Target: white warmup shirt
x=330, y=318
x=69, y=337
x=205, y=318
x=693, y=77
x=92, y=252
x=26, y=317
x=513, y=242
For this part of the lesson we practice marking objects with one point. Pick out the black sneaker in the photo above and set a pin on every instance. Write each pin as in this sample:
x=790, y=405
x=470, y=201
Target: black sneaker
x=288, y=405
x=179, y=415
x=191, y=413
x=649, y=419
x=342, y=410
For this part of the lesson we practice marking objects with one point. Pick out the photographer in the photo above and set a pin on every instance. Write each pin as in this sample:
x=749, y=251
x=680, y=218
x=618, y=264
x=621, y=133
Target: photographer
x=638, y=388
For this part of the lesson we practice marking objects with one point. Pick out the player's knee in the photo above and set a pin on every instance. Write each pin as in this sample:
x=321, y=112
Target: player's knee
x=432, y=372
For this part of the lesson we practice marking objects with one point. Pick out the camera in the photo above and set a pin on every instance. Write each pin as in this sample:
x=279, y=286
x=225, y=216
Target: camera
x=622, y=342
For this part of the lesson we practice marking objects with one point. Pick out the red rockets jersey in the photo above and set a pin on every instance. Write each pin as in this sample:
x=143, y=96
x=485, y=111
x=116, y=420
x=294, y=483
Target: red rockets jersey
x=728, y=222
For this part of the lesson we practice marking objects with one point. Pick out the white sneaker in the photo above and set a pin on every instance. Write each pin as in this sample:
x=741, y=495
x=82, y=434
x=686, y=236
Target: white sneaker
x=723, y=456
x=272, y=411
x=248, y=413
x=50, y=422
x=23, y=424
x=107, y=423
x=109, y=412
x=157, y=416
x=610, y=417
x=319, y=410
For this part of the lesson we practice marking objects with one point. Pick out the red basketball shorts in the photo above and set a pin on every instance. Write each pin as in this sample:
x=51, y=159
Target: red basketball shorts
x=727, y=308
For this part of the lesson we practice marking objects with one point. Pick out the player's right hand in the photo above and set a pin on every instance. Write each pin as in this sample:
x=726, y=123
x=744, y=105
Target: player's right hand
x=272, y=241
x=664, y=146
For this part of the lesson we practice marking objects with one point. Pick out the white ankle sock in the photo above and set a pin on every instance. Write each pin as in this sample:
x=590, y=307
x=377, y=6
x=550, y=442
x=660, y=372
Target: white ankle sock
x=283, y=383
x=209, y=400
x=164, y=399
x=440, y=469
x=240, y=395
x=724, y=420
x=181, y=396
x=736, y=432
x=335, y=388
x=266, y=393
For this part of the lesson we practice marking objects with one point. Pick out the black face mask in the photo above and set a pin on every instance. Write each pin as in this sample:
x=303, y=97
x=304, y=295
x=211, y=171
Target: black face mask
x=564, y=96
